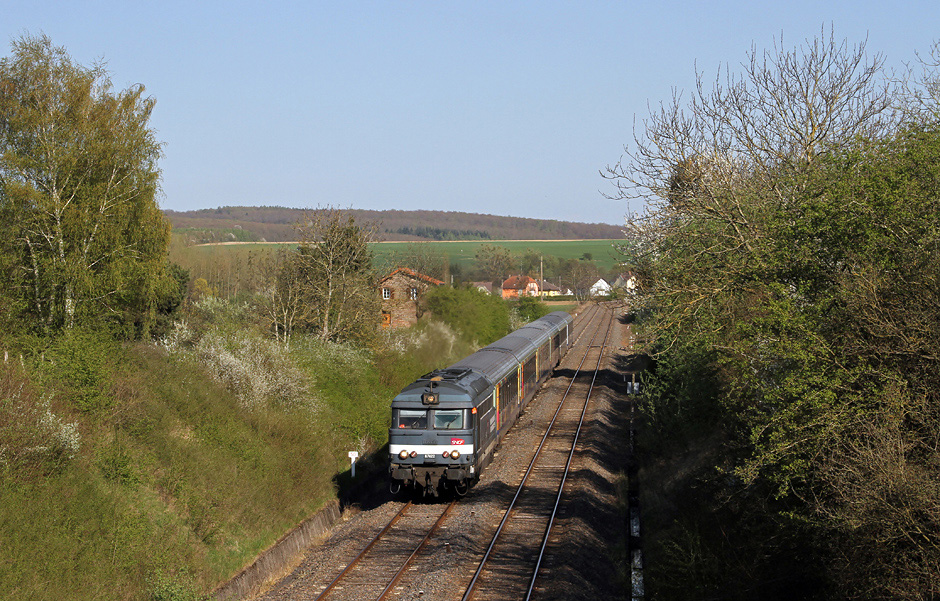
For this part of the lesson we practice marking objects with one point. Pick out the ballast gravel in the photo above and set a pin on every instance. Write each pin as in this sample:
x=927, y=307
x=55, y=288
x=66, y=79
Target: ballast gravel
x=580, y=560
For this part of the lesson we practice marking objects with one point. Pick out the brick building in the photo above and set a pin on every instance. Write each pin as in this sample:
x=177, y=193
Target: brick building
x=401, y=291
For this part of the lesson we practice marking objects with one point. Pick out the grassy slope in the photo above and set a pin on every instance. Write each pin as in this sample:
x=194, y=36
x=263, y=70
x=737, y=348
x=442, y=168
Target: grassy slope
x=176, y=486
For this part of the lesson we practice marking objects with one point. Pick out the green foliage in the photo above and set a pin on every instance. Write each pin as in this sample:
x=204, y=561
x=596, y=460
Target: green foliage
x=176, y=482
x=117, y=464
x=476, y=315
x=166, y=586
x=78, y=184
x=794, y=290
x=82, y=361
x=531, y=308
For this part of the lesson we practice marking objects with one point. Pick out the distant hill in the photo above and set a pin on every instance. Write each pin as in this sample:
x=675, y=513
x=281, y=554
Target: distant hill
x=276, y=224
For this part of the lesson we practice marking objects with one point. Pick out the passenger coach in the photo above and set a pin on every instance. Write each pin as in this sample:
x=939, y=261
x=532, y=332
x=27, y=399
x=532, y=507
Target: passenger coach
x=446, y=425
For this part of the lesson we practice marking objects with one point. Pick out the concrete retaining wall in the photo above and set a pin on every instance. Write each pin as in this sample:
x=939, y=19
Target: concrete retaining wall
x=279, y=555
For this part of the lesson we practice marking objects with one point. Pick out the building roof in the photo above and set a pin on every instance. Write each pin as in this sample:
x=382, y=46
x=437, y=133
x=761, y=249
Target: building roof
x=488, y=286
x=414, y=274
x=547, y=286
x=518, y=282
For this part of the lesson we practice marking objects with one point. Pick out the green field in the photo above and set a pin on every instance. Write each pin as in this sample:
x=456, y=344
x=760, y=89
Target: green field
x=603, y=252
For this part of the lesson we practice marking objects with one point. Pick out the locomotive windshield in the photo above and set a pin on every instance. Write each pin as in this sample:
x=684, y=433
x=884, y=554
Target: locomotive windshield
x=448, y=419
x=412, y=419
x=417, y=419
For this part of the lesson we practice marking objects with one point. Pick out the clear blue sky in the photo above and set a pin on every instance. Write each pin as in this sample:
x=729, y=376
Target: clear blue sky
x=507, y=108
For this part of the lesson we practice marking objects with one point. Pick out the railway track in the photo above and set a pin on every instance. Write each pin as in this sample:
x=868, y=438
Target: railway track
x=398, y=555
x=374, y=571
x=509, y=568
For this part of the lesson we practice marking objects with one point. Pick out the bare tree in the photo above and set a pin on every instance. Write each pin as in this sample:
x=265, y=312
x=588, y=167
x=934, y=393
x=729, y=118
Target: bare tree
x=422, y=257
x=494, y=262
x=708, y=169
x=334, y=264
x=280, y=294
x=776, y=116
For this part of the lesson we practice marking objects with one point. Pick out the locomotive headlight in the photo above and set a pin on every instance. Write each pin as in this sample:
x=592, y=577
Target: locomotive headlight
x=403, y=455
x=454, y=454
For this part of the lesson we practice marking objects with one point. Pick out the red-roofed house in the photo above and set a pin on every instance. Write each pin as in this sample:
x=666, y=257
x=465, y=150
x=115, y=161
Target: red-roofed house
x=400, y=291
x=520, y=285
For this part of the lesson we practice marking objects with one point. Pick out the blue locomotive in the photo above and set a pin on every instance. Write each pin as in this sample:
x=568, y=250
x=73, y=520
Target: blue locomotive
x=447, y=424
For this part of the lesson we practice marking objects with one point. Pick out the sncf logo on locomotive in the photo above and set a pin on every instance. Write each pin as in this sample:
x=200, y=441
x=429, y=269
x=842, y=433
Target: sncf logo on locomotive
x=456, y=441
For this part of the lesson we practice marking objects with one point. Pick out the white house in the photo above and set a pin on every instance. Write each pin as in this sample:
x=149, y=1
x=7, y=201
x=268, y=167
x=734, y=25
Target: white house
x=600, y=288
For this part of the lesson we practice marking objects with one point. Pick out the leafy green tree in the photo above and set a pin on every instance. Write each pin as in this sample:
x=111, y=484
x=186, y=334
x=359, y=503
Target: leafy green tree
x=78, y=185
x=790, y=256
x=531, y=308
x=479, y=316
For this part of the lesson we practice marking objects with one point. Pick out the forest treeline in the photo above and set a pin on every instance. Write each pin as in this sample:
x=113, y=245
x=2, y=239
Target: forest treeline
x=436, y=233
x=276, y=224
x=789, y=263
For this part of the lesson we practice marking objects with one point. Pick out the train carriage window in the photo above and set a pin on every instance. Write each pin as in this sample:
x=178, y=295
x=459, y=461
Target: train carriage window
x=486, y=406
x=528, y=371
x=513, y=383
x=448, y=419
x=412, y=419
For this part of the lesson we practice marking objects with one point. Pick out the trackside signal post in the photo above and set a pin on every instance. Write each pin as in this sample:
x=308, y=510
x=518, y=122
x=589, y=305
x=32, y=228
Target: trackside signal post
x=353, y=455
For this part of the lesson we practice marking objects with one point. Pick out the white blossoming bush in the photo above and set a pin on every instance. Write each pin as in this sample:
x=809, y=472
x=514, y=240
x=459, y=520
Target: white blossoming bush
x=62, y=439
x=516, y=320
x=180, y=338
x=434, y=343
x=257, y=370
x=32, y=437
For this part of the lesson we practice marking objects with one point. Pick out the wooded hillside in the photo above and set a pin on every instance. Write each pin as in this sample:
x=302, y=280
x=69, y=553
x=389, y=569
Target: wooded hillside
x=276, y=224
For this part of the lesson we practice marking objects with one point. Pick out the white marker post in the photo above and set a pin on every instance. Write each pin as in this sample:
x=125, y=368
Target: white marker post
x=353, y=455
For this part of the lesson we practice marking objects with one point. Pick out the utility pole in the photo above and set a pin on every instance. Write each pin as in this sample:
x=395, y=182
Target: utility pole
x=541, y=279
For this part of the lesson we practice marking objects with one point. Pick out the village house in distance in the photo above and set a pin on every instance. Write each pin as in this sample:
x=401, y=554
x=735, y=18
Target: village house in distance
x=400, y=291
x=522, y=285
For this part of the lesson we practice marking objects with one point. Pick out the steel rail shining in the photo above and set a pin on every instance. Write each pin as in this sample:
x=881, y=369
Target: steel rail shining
x=414, y=553
x=470, y=588
x=564, y=478
x=362, y=553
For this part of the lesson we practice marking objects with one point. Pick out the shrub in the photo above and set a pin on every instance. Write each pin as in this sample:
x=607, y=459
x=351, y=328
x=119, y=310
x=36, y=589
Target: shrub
x=165, y=586
x=32, y=438
x=477, y=315
x=531, y=308
x=82, y=361
x=258, y=371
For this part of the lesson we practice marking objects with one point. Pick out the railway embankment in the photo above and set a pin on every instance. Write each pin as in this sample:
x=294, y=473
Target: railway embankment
x=585, y=556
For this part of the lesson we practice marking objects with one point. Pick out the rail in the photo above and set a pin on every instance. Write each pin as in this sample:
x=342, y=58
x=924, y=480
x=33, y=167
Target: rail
x=471, y=588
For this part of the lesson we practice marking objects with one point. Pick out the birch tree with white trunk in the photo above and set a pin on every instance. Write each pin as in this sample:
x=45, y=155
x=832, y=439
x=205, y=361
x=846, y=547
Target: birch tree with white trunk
x=78, y=187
